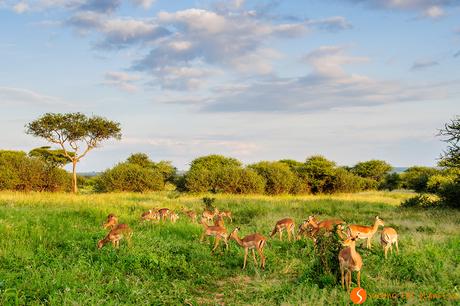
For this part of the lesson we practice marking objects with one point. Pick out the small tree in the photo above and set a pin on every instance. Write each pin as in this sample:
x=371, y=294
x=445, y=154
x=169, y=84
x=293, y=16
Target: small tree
x=374, y=169
x=53, y=158
x=73, y=131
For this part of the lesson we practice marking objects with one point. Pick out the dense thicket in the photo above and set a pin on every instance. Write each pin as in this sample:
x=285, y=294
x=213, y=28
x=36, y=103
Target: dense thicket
x=21, y=172
x=138, y=174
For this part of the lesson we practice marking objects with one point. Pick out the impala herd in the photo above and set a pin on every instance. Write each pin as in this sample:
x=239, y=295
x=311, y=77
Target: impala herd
x=349, y=259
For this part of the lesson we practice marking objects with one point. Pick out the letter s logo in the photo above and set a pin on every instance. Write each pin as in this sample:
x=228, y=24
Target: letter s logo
x=358, y=295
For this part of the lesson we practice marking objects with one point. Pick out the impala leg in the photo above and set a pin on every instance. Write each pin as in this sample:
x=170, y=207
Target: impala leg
x=245, y=257
x=397, y=248
x=343, y=278
x=254, y=256
x=281, y=234
x=216, y=243
x=359, y=279
x=386, y=251
x=289, y=234
x=226, y=243
x=262, y=257
x=202, y=237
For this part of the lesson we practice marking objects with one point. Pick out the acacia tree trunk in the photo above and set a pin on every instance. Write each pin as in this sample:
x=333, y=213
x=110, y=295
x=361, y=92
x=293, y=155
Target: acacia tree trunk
x=74, y=176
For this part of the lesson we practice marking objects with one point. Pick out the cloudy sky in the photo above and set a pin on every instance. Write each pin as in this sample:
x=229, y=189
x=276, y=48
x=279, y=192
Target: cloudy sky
x=257, y=80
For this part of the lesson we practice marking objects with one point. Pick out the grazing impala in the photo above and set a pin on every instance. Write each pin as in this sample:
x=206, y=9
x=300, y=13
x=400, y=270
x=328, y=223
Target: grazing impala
x=111, y=222
x=191, y=214
x=209, y=215
x=388, y=237
x=305, y=230
x=150, y=215
x=226, y=214
x=253, y=241
x=365, y=232
x=350, y=261
x=284, y=224
x=217, y=231
x=164, y=213
x=327, y=225
x=173, y=217
x=115, y=235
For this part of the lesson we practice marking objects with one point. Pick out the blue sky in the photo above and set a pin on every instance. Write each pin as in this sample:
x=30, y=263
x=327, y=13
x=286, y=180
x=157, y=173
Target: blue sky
x=257, y=80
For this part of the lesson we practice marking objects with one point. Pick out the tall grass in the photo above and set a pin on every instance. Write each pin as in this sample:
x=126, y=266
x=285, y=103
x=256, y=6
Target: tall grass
x=48, y=252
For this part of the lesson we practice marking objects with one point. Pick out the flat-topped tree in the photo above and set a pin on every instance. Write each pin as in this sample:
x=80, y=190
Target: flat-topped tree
x=75, y=133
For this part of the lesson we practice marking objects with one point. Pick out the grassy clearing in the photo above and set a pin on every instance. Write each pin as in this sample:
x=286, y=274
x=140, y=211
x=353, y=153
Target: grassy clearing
x=48, y=252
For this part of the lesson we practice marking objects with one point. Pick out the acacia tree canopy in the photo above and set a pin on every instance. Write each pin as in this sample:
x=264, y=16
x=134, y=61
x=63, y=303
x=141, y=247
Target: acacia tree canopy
x=451, y=134
x=75, y=133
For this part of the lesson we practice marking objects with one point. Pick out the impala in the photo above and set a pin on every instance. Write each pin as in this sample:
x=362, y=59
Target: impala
x=164, y=213
x=209, y=215
x=191, y=214
x=253, y=241
x=284, y=224
x=173, y=217
x=388, y=237
x=111, y=222
x=305, y=230
x=365, y=232
x=349, y=261
x=226, y=214
x=217, y=231
x=219, y=221
x=150, y=215
x=115, y=235
x=327, y=225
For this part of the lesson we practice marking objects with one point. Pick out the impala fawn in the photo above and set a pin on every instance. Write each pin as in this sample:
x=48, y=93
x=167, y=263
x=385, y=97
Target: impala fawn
x=217, y=231
x=209, y=215
x=111, y=221
x=253, y=241
x=191, y=214
x=115, y=235
x=150, y=215
x=388, y=237
x=226, y=214
x=365, y=232
x=350, y=261
x=284, y=224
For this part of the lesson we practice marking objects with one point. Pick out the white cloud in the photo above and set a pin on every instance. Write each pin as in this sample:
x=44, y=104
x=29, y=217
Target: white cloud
x=146, y=4
x=21, y=7
x=434, y=12
x=121, y=80
x=21, y=96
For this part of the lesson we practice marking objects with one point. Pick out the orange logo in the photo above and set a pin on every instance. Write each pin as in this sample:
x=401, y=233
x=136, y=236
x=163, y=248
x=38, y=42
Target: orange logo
x=358, y=295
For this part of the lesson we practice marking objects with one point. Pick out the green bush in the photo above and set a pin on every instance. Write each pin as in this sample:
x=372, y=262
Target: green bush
x=373, y=169
x=239, y=181
x=129, y=177
x=449, y=194
x=416, y=178
x=320, y=173
x=278, y=176
x=23, y=173
x=419, y=201
x=391, y=181
x=345, y=181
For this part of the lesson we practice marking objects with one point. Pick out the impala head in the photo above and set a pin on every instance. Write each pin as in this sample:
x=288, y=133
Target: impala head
x=234, y=233
x=350, y=240
x=100, y=244
x=379, y=221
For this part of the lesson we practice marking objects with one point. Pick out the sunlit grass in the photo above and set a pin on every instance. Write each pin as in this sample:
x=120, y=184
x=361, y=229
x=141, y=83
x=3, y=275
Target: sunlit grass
x=48, y=251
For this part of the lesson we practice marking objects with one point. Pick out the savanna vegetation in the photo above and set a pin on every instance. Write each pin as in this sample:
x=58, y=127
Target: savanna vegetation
x=48, y=252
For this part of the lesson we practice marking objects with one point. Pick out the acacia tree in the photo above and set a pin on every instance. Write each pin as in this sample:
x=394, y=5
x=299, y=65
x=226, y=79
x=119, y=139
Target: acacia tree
x=75, y=133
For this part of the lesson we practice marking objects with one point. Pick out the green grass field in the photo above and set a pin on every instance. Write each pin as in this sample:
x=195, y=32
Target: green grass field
x=48, y=252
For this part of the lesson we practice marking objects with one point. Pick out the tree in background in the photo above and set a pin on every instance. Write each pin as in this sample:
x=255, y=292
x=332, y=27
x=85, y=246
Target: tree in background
x=73, y=131
x=373, y=169
x=417, y=177
x=278, y=176
x=451, y=134
x=204, y=172
x=320, y=172
x=391, y=181
x=165, y=168
x=53, y=158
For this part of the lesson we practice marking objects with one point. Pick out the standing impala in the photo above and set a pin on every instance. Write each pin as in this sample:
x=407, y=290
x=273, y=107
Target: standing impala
x=214, y=230
x=111, y=221
x=173, y=217
x=350, y=261
x=284, y=224
x=388, y=237
x=115, y=235
x=209, y=215
x=219, y=221
x=164, y=213
x=226, y=214
x=191, y=214
x=365, y=232
x=253, y=241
